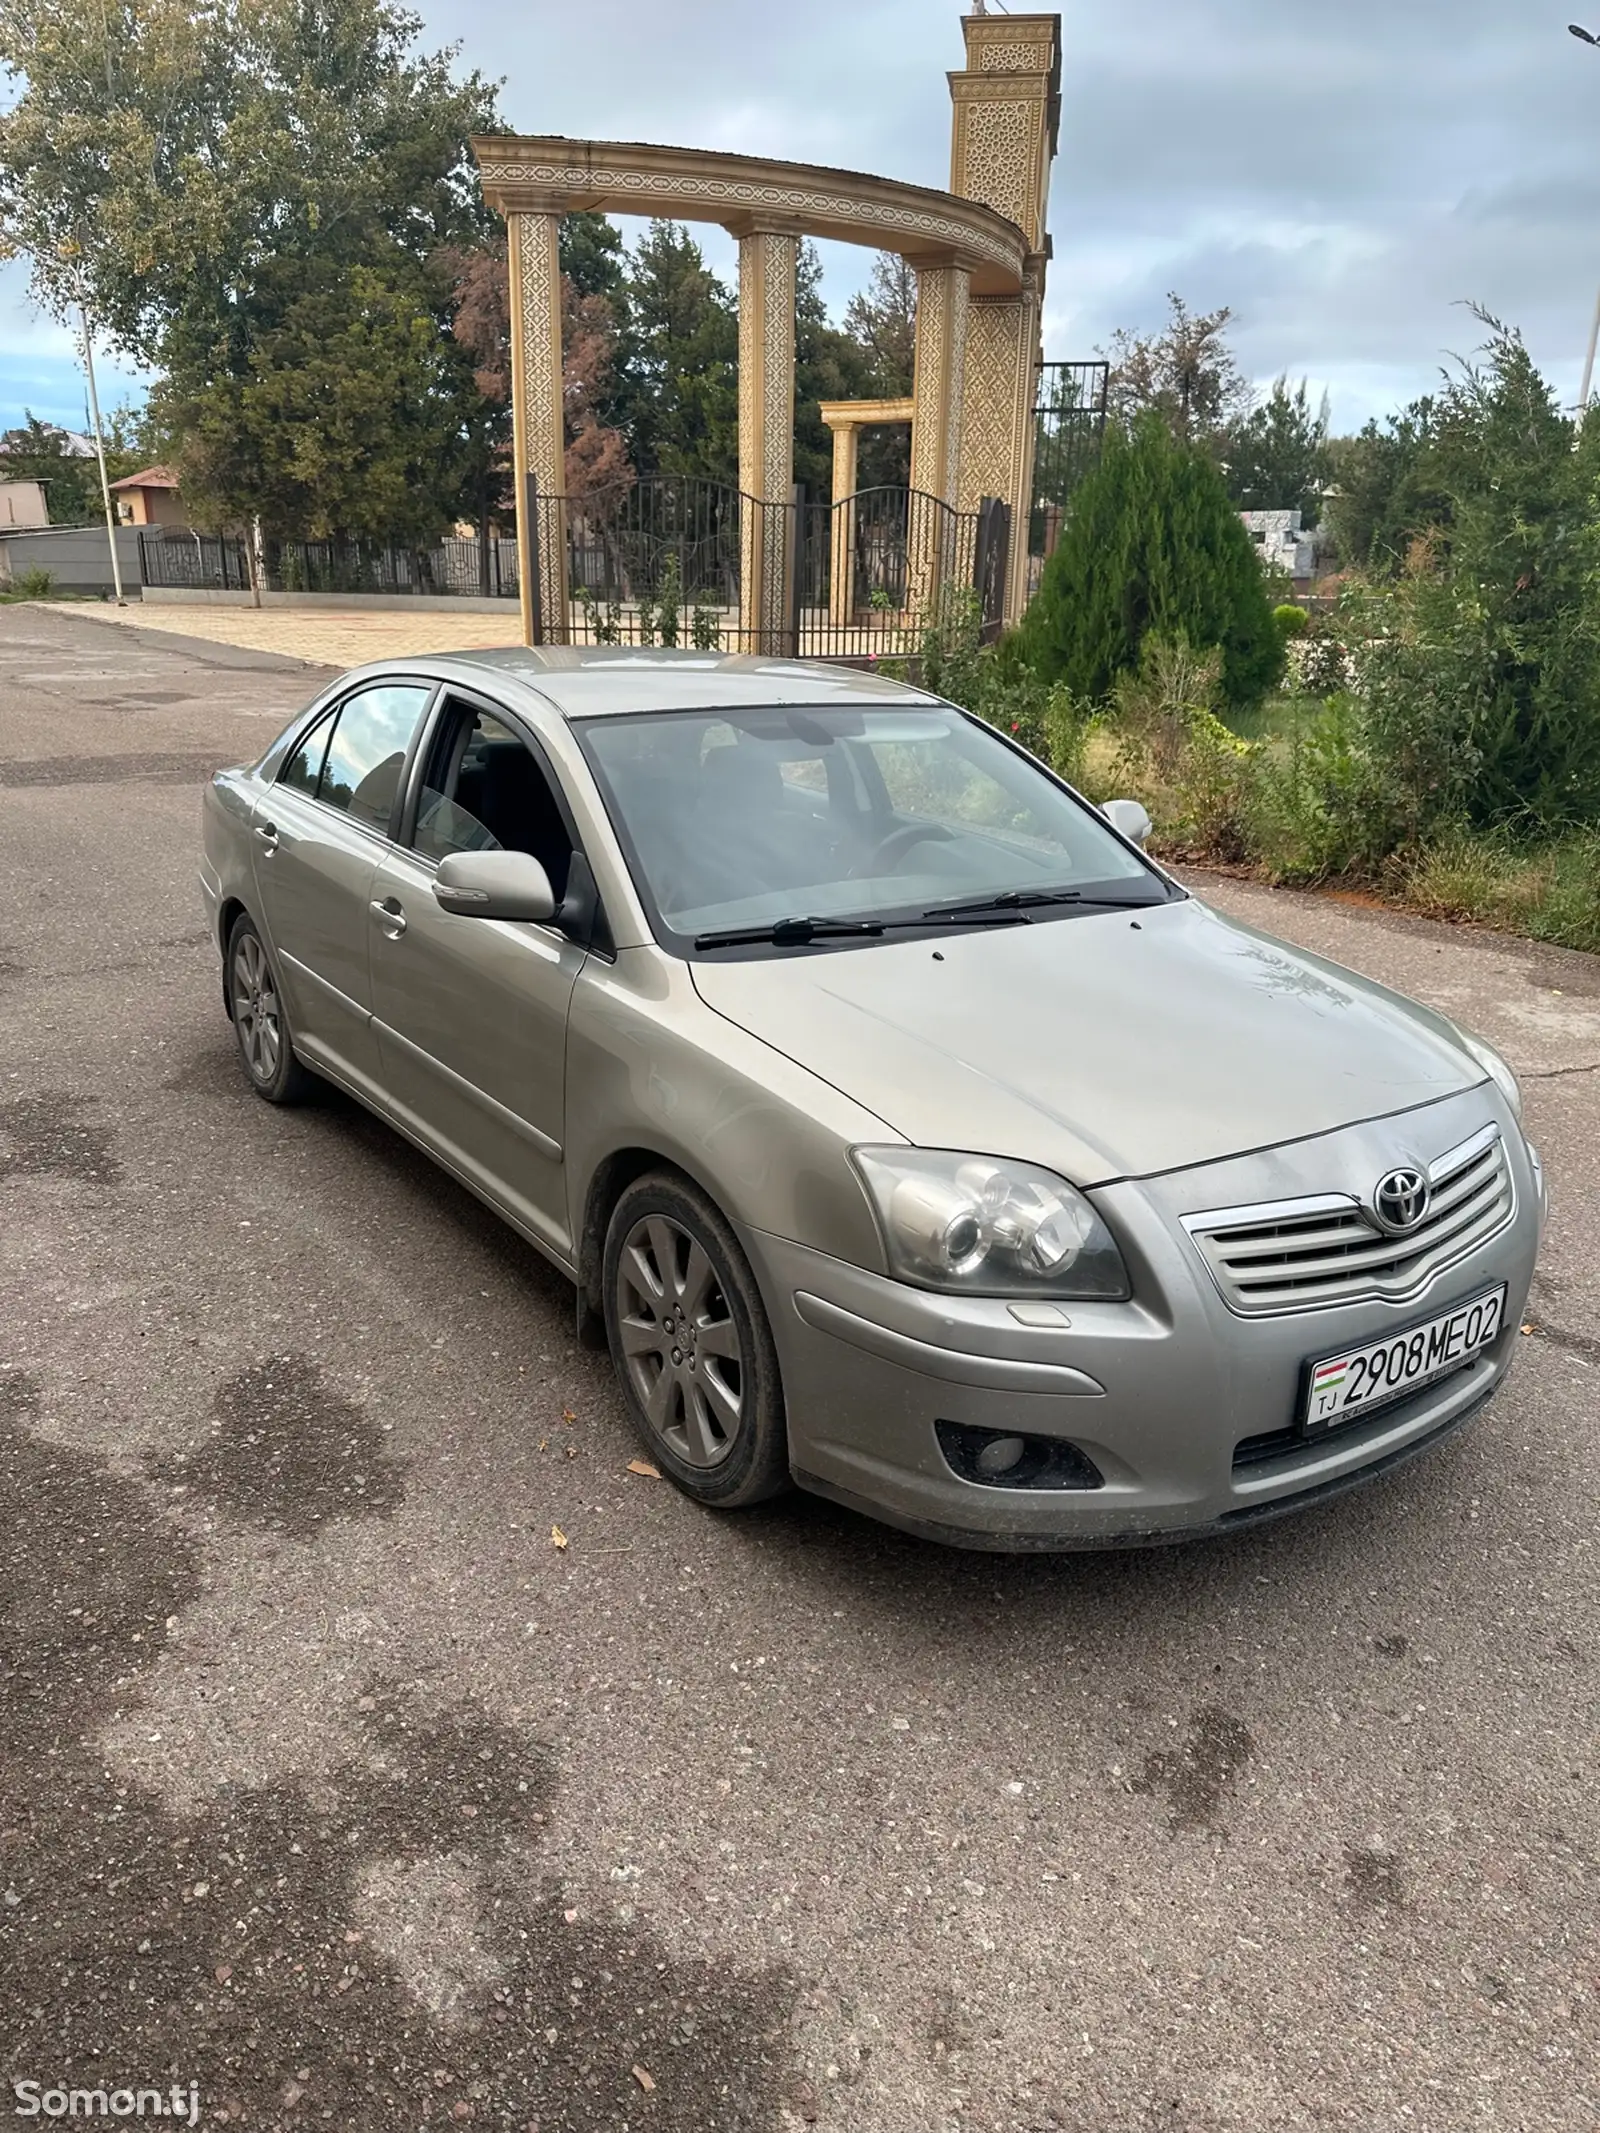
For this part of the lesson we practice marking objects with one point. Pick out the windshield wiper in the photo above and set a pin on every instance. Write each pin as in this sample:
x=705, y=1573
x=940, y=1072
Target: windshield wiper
x=790, y=932
x=800, y=932
x=1031, y=899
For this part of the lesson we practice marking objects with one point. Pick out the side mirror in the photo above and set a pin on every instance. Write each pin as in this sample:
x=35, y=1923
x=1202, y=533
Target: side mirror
x=495, y=885
x=1128, y=817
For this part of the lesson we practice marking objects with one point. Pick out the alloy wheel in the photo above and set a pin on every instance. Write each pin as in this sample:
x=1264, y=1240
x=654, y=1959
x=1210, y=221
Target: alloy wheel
x=680, y=1343
x=255, y=1008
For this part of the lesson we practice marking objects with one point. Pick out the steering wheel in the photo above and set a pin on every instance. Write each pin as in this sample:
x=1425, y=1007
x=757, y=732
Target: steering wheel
x=887, y=853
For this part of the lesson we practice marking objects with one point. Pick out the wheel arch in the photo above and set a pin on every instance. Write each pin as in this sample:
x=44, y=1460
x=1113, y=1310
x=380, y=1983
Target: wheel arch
x=608, y=1181
x=229, y=912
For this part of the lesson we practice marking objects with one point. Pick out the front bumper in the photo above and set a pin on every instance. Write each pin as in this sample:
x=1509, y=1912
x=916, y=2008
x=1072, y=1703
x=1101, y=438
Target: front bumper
x=1159, y=1393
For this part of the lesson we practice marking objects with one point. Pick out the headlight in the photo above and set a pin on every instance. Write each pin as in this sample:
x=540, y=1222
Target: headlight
x=1496, y=1069
x=987, y=1226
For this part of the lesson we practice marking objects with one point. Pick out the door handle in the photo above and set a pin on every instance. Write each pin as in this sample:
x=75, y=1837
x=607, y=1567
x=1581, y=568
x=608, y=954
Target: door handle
x=390, y=916
x=268, y=833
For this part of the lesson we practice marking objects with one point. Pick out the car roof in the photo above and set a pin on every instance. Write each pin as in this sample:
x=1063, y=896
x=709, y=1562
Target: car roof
x=596, y=681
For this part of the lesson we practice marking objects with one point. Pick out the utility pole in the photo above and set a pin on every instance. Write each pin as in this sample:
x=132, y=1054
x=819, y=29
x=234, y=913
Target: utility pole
x=1588, y=37
x=100, y=454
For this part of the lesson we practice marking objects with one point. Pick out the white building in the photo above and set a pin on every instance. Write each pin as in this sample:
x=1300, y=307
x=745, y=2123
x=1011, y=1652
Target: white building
x=1283, y=539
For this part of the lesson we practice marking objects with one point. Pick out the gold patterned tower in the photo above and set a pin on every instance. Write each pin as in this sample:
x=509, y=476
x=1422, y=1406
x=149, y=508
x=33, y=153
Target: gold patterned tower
x=1006, y=119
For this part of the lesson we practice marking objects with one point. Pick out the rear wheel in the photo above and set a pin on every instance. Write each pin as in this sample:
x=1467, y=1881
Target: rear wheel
x=259, y=1023
x=692, y=1346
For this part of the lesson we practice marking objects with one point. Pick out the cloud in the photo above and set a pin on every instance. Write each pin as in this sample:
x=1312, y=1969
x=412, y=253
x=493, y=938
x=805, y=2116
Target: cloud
x=1344, y=178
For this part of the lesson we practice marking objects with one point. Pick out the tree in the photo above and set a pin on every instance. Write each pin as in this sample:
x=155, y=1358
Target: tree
x=829, y=364
x=1187, y=374
x=212, y=179
x=1153, y=546
x=1277, y=455
x=1386, y=491
x=596, y=454
x=678, y=361
x=1495, y=660
x=341, y=422
x=882, y=321
x=592, y=257
x=38, y=452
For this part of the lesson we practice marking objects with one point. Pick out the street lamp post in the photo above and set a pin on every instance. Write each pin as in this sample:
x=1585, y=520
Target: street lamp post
x=100, y=454
x=1588, y=37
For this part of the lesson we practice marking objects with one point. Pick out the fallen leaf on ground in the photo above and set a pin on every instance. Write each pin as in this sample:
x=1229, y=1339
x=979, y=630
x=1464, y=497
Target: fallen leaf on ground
x=643, y=1466
x=645, y=2081
x=1530, y=1327
x=558, y=1538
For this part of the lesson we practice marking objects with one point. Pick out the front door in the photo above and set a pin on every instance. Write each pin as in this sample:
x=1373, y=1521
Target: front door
x=471, y=1013
x=317, y=837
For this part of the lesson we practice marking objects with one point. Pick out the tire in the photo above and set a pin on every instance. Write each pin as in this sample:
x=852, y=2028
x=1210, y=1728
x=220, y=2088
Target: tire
x=255, y=1004
x=692, y=1347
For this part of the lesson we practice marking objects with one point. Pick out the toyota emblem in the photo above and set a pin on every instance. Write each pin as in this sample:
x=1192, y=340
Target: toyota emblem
x=1401, y=1200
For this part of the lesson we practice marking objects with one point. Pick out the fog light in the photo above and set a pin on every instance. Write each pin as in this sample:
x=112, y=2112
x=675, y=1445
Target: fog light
x=1000, y=1455
x=1006, y=1459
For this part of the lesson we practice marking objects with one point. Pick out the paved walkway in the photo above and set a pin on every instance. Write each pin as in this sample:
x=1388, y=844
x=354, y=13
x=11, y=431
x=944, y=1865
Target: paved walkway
x=323, y=636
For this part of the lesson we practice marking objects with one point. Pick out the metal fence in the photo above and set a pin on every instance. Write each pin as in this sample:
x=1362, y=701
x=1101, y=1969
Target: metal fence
x=171, y=559
x=174, y=560
x=1069, y=419
x=667, y=562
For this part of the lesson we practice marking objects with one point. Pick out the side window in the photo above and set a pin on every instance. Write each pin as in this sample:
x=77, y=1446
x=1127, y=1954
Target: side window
x=367, y=753
x=484, y=790
x=304, y=767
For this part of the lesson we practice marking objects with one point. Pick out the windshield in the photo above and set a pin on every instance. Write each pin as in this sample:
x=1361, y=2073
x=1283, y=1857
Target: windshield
x=745, y=819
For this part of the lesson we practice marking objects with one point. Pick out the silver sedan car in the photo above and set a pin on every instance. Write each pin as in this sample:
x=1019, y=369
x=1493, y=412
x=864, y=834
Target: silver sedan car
x=905, y=1130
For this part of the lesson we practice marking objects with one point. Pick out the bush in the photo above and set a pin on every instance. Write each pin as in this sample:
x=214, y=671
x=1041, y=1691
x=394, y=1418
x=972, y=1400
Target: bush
x=1318, y=666
x=34, y=585
x=1292, y=621
x=1152, y=547
x=1174, y=751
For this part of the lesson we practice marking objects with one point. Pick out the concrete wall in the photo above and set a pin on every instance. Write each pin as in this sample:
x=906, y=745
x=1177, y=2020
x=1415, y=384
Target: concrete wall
x=443, y=603
x=78, y=558
x=22, y=504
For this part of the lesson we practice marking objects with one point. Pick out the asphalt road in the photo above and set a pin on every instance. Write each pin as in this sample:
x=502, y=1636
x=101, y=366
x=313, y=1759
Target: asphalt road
x=330, y=1784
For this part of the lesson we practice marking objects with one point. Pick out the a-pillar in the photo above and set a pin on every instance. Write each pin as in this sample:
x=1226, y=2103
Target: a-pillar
x=943, y=309
x=538, y=424
x=767, y=266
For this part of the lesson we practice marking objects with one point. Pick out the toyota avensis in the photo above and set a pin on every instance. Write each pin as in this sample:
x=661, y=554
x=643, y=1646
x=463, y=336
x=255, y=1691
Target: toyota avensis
x=905, y=1130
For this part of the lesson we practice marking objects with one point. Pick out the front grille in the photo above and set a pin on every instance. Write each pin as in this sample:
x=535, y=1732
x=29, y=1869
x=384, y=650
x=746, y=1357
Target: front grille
x=1298, y=1254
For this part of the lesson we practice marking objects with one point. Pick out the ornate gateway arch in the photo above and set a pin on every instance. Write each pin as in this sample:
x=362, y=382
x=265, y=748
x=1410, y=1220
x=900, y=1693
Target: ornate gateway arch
x=979, y=251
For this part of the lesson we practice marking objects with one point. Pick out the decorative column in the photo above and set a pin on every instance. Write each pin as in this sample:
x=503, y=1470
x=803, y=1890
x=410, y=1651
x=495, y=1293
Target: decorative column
x=842, y=561
x=1006, y=112
x=767, y=265
x=538, y=423
x=938, y=376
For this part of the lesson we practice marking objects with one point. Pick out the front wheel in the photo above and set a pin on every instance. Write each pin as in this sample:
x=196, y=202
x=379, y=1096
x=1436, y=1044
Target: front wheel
x=256, y=1005
x=691, y=1343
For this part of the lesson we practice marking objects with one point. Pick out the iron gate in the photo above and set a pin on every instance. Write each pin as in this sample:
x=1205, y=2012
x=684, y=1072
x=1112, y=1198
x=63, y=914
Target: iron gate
x=1069, y=422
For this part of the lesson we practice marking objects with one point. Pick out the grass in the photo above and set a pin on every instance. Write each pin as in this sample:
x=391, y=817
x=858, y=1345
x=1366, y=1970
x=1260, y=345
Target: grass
x=1549, y=892
x=1546, y=891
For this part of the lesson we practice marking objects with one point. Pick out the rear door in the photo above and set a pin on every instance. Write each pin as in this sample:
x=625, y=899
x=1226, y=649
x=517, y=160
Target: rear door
x=317, y=839
x=471, y=1013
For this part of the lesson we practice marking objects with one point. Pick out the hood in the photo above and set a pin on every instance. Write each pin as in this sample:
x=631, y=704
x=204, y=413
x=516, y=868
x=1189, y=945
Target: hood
x=1102, y=1046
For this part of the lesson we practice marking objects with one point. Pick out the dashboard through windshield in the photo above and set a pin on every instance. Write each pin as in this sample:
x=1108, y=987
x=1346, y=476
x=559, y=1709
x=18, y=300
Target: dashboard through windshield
x=786, y=826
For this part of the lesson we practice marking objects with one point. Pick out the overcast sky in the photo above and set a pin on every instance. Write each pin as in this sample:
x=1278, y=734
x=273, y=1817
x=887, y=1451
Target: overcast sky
x=1344, y=183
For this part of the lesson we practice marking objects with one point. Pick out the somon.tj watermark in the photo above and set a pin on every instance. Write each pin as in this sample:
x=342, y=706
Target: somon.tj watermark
x=38, y=2099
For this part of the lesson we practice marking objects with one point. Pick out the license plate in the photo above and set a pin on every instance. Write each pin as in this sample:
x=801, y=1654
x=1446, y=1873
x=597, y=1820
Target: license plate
x=1388, y=1369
